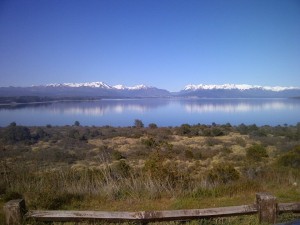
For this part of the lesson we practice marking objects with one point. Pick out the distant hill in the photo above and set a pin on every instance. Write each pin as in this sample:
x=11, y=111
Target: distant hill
x=93, y=89
x=103, y=90
x=238, y=91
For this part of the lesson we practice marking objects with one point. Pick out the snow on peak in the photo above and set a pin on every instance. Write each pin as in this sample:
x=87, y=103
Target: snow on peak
x=119, y=87
x=87, y=84
x=99, y=85
x=137, y=87
x=193, y=87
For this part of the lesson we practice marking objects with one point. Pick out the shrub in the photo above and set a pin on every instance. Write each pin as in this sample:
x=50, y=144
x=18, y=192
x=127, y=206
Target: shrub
x=185, y=129
x=152, y=126
x=242, y=128
x=116, y=155
x=149, y=142
x=154, y=167
x=14, y=133
x=215, y=131
x=256, y=152
x=138, y=123
x=223, y=174
x=190, y=153
x=210, y=141
x=290, y=159
x=40, y=134
x=76, y=123
x=240, y=141
x=73, y=133
x=122, y=168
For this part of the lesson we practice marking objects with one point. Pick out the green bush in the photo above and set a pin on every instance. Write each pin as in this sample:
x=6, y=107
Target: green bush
x=256, y=152
x=149, y=142
x=157, y=169
x=40, y=134
x=215, y=131
x=73, y=133
x=13, y=134
x=185, y=129
x=290, y=159
x=76, y=123
x=138, y=123
x=152, y=126
x=223, y=174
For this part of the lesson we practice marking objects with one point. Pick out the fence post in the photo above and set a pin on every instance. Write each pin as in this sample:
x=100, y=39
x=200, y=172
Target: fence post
x=14, y=211
x=267, y=208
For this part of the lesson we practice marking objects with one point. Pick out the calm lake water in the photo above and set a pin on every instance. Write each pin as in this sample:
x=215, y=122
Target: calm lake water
x=163, y=112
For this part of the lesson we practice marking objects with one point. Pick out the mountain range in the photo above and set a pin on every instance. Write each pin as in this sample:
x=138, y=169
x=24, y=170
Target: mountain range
x=103, y=90
x=92, y=89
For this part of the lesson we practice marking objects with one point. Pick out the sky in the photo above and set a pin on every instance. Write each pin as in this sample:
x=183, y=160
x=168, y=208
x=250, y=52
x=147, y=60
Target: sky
x=163, y=43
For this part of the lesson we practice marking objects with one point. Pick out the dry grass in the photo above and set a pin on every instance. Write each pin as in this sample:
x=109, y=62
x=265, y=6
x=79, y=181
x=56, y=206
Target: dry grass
x=109, y=172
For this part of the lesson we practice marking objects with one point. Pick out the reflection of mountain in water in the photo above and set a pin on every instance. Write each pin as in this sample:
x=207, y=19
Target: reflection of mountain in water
x=165, y=112
x=100, y=107
x=237, y=105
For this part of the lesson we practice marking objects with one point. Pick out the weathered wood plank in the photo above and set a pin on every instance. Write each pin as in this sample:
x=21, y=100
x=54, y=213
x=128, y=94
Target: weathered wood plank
x=289, y=207
x=73, y=216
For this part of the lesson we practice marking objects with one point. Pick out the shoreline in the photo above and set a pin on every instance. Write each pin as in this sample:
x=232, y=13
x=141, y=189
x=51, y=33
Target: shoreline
x=136, y=98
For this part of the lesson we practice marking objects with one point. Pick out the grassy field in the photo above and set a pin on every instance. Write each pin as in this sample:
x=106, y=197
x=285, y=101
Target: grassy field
x=149, y=168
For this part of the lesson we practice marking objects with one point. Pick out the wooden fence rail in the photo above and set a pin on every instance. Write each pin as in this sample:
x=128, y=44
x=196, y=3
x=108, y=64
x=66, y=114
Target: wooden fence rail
x=266, y=207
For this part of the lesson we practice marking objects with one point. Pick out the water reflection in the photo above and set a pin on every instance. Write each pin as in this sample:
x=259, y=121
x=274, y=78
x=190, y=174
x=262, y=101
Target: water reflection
x=99, y=107
x=238, y=105
x=164, y=112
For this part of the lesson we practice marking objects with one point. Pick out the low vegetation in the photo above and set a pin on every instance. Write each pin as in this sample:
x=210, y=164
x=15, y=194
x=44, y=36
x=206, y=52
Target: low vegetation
x=149, y=167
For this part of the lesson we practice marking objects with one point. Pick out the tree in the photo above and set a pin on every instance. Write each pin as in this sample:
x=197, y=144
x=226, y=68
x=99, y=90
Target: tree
x=76, y=123
x=138, y=123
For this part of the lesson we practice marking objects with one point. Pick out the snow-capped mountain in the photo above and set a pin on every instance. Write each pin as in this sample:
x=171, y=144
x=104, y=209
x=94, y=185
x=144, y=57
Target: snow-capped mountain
x=91, y=89
x=242, y=87
x=103, y=90
x=98, y=85
x=137, y=87
x=90, y=84
x=238, y=91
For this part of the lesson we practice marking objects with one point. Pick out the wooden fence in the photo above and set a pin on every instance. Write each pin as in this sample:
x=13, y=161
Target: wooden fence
x=265, y=206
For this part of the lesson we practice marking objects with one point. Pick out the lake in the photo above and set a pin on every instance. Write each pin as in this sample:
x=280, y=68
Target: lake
x=163, y=112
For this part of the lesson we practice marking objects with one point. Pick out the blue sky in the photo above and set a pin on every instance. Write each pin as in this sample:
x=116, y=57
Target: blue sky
x=162, y=43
